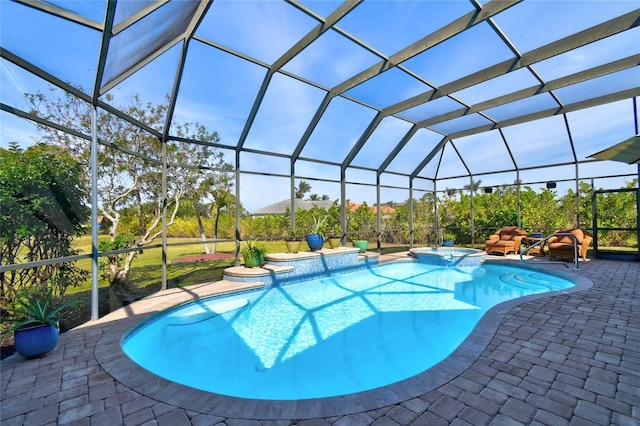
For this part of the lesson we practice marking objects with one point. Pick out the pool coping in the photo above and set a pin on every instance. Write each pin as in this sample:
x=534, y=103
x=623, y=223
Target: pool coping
x=109, y=354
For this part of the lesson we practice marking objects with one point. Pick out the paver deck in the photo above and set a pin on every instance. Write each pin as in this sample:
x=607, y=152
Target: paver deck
x=570, y=358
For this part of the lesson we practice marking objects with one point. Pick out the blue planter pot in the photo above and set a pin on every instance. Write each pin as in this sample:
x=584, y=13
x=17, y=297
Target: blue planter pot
x=447, y=243
x=315, y=241
x=36, y=341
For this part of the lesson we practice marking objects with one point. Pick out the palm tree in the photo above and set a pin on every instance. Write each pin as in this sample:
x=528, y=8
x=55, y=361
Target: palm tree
x=427, y=197
x=474, y=189
x=303, y=188
x=224, y=199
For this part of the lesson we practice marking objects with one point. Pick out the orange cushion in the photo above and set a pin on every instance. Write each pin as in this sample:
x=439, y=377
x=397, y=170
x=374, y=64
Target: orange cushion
x=566, y=239
x=561, y=246
x=507, y=234
x=579, y=235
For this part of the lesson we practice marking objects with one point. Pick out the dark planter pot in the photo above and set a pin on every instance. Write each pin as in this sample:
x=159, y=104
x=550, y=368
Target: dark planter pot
x=334, y=242
x=253, y=261
x=361, y=244
x=315, y=241
x=36, y=341
x=293, y=246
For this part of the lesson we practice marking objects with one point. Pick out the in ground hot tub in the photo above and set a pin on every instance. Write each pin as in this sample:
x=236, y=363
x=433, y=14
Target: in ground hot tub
x=448, y=256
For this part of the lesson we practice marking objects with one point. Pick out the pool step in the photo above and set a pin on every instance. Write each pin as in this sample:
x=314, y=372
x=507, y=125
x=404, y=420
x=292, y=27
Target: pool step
x=367, y=255
x=229, y=286
x=263, y=274
x=191, y=317
x=525, y=280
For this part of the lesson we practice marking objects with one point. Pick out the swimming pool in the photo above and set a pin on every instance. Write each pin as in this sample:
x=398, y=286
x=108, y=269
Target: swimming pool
x=328, y=337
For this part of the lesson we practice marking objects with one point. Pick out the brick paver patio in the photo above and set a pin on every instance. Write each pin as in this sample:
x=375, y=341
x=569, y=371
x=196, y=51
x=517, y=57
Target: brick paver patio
x=573, y=358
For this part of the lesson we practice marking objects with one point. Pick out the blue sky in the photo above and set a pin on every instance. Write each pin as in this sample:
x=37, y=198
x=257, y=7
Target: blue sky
x=219, y=89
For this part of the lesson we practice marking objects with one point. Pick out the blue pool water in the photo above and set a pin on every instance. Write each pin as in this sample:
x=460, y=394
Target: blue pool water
x=331, y=336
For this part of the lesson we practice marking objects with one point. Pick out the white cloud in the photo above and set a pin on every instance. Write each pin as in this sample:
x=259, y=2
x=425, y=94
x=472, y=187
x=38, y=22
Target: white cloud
x=13, y=85
x=14, y=129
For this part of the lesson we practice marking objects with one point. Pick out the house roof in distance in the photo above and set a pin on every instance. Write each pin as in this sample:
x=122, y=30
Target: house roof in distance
x=383, y=209
x=281, y=206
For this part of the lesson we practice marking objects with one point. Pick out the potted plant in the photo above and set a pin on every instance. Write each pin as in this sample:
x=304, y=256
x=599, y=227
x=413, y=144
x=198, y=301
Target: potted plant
x=335, y=235
x=253, y=253
x=447, y=239
x=333, y=227
x=315, y=238
x=334, y=241
x=36, y=327
x=293, y=244
x=359, y=241
x=363, y=245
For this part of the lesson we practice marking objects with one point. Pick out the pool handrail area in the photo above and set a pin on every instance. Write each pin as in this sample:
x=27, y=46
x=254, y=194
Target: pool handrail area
x=544, y=240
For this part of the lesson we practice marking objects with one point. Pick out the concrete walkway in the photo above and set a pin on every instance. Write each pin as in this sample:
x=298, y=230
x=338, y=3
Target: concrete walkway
x=572, y=358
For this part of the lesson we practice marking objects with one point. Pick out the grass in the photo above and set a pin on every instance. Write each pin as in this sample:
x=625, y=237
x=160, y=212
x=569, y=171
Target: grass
x=146, y=268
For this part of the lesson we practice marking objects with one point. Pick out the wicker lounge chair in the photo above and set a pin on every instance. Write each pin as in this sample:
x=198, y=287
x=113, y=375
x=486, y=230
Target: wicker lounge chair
x=563, y=245
x=505, y=240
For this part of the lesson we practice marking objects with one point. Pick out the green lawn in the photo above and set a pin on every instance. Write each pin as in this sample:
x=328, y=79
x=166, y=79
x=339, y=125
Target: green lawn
x=146, y=269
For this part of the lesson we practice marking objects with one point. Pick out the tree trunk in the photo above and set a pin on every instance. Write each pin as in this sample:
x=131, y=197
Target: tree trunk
x=140, y=216
x=201, y=229
x=121, y=292
x=215, y=231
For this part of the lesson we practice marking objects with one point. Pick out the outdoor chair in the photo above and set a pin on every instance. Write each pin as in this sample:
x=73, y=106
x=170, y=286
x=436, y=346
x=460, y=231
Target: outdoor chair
x=505, y=240
x=563, y=245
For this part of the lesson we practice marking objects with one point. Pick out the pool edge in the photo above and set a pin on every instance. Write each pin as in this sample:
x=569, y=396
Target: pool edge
x=114, y=361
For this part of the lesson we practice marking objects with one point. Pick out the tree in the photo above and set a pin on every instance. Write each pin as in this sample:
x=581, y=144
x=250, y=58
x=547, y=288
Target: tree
x=303, y=188
x=541, y=211
x=334, y=225
x=474, y=188
x=396, y=225
x=316, y=197
x=42, y=209
x=361, y=222
x=130, y=168
x=217, y=189
x=424, y=218
x=223, y=200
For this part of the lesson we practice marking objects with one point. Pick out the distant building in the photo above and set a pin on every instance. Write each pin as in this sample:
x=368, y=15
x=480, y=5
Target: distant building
x=385, y=210
x=281, y=206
